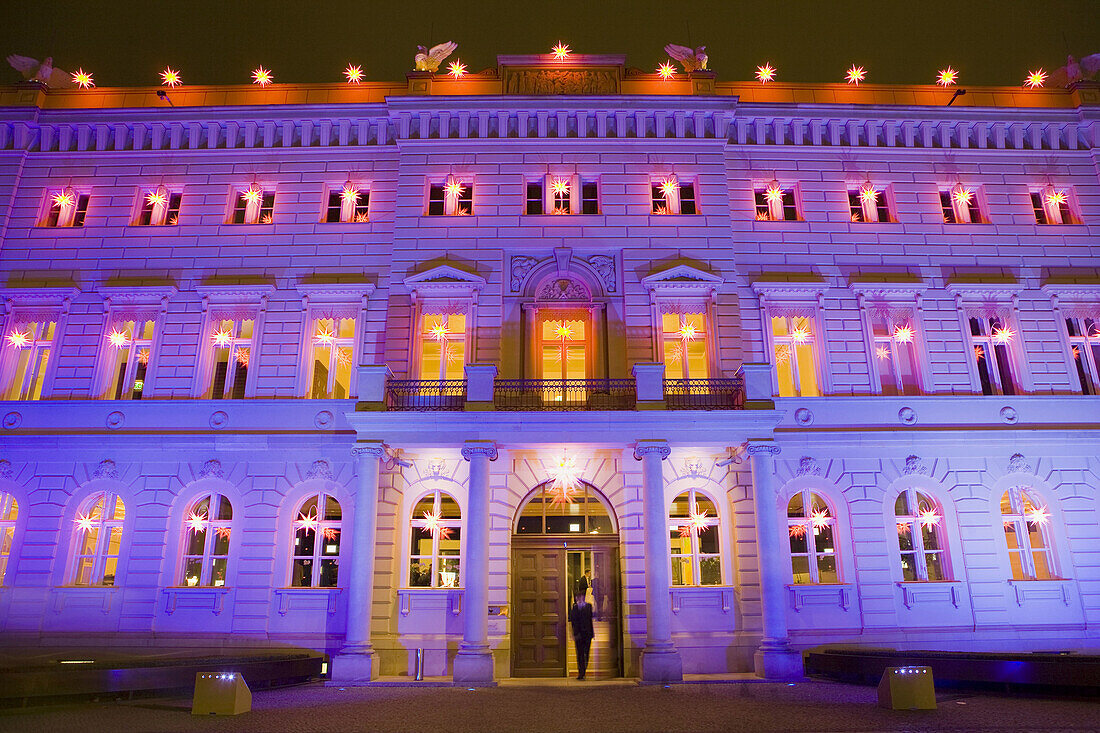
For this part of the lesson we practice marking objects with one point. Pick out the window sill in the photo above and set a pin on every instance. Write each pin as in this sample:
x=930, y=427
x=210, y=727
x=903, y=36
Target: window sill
x=821, y=594
x=707, y=597
x=195, y=598
x=430, y=599
x=1031, y=591
x=83, y=597
x=929, y=592
x=306, y=599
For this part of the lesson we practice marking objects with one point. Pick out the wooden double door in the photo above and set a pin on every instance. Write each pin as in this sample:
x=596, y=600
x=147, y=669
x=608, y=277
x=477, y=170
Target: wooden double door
x=546, y=573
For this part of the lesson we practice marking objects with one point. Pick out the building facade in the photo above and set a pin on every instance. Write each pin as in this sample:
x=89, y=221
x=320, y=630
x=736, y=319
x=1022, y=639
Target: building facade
x=394, y=367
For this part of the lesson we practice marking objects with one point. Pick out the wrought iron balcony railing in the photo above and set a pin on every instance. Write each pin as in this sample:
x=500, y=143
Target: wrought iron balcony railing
x=564, y=394
x=423, y=395
x=705, y=394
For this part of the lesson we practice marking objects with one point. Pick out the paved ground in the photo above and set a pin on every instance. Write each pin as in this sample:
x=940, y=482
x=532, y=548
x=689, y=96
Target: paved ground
x=573, y=708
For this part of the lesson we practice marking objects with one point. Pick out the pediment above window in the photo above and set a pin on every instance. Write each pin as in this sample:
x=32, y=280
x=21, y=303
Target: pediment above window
x=682, y=281
x=444, y=281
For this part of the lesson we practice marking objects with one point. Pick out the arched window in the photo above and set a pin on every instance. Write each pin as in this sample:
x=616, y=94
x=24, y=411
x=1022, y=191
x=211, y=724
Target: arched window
x=1027, y=533
x=98, y=539
x=693, y=532
x=206, y=530
x=316, y=551
x=436, y=542
x=549, y=510
x=812, y=529
x=9, y=513
x=920, y=536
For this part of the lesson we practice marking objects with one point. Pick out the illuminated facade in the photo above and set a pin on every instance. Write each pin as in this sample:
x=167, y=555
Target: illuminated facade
x=388, y=367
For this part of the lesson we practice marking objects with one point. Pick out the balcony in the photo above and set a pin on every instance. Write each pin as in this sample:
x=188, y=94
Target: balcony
x=705, y=394
x=425, y=395
x=564, y=394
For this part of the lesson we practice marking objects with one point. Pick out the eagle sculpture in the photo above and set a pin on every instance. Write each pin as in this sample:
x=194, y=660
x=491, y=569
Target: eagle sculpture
x=691, y=60
x=1076, y=70
x=44, y=73
x=430, y=60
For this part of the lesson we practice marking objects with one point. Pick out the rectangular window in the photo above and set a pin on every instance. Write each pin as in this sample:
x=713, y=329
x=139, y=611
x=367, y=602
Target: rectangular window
x=590, y=197
x=1084, y=345
x=349, y=204
x=452, y=198
x=129, y=350
x=534, y=198
x=775, y=203
x=552, y=194
x=684, y=345
x=443, y=346
x=1051, y=206
x=564, y=349
x=895, y=355
x=990, y=340
x=959, y=205
x=332, y=349
x=253, y=206
x=868, y=205
x=673, y=196
x=27, y=355
x=796, y=365
x=66, y=209
x=232, y=344
x=159, y=208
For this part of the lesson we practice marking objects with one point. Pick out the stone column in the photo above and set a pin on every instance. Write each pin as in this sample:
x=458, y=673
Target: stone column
x=660, y=660
x=775, y=659
x=356, y=661
x=473, y=664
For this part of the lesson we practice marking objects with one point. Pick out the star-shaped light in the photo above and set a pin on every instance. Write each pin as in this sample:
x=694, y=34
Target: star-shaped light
x=84, y=522
x=1037, y=515
x=868, y=194
x=350, y=194
x=1056, y=198
x=563, y=331
x=170, y=77
x=361, y=218
x=566, y=477
x=882, y=353
x=118, y=338
x=929, y=518
x=559, y=186
x=62, y=199
x=661, y=210
x=856, y=218
x=666, y=70
x=83, y=79
x=454, y=188
x=196, y=521
x=800, y=335
x=221, y=337
x=262, y=76
x=765, y=73
x=457, y=69
x=252, y=194
x=343, y=355
x=979, y=353
x=782, y=354
x=325, y=336
x=819, y=518
x=676, y=354
x=19, y=339
x=1035, y=79
x=763, y=216
x=947, y=77
x=143, y=356
x=797, y=530
x=223, y=532
x=307, y=523
x=174, y=220
x=669, y=186
x=688, y=331
x=354, y=74
x=855, y=75
x=451, y=354
x=439, y=331
x=330, y=533
x=156, y=198
x=242, y=355
x=903, y=334
x=698, y=521
x=963, y=196
x=904, y=528
x=1002, y=335
x=773, y=194
x=433, y=523
x=561, y=51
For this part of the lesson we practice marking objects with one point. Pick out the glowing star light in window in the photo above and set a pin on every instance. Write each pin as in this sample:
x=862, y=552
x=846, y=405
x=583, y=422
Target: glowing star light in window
x=765, y=73
x=929, y=518
x=84, y=522
x=354, y=74
x=666, y=70
x=156, y=198
x=170, y=77
x=252, y=195
x=19, y=339
x=882, y=353
x=306, y=523
x=855, y=75
x=903, y=334
x=979, y=353
x=868, y=194
x=800, y=334
x=454, y=189
x=221, y=337
x=262, y=76
x=433, y=523
x=62, y=199
x=566, y=479
x=763, y=216
x=563, y=331
x=797, y=530
x=439, y=331
x=773, y=194
x=457, y=69
x=963, y=196
x=561, y=51
x=1035, y=79
x=350, y=194
x=688, y=331
x=195, y=521
x=1056, y=198
x=1037, y=515
x=118, y=338
x=669, y=186
x=1002, y=335
x=143, y=356
x=330, y=533
x=819, y=518
x=324, y=336
x=223, y=532
x=559, y=186
x=947, y=77
x=242, y=355
x=83, y=79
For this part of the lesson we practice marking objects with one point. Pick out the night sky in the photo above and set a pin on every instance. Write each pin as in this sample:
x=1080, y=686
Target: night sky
x=990, y=42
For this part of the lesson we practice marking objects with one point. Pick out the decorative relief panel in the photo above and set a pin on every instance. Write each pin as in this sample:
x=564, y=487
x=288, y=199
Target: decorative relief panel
x=560, y=81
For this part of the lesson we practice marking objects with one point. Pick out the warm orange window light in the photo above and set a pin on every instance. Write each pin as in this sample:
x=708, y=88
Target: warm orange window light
x=795, y=360
x=684, y=345
x=443, y=346
x=564, y=352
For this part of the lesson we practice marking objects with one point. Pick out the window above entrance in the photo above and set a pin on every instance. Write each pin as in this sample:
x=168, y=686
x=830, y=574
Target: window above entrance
x=584, y=512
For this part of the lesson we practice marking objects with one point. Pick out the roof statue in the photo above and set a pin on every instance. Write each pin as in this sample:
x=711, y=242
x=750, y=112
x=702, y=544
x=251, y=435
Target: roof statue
x=1076, y=70
x=41, y=72
x=430, y=60
x=691, y=60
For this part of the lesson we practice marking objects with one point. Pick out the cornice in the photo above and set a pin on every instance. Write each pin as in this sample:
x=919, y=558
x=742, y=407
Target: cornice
x=790, y=290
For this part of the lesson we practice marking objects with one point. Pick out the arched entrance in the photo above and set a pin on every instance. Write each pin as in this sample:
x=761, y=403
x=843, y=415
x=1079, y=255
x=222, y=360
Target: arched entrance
x=558, y=548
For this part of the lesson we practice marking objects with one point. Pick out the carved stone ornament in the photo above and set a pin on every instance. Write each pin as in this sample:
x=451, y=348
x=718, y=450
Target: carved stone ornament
x=213, y=467
x=6, y=471
x=605, y=267
x=320, y=469
x=563, y=288
x=913, y=464
x=487, y=448
x=371, y=450
x=560, y=81
x=324, y=419
x=763, y=449
x=12, y=420
x=803, y=416
x=1009, y=416
x=106, y=469
x=807, y=466
x=521, y=268
x=219, y=419
x=693, y=466
x=646, y=449
x=1018, y=464
x=907, y=416
x=436, y=467
x=115, y=420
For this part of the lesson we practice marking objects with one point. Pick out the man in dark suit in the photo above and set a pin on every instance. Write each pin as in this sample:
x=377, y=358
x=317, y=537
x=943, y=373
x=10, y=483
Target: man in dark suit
x=580, y=618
